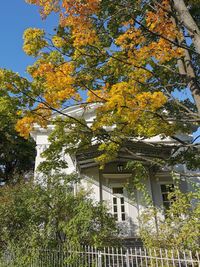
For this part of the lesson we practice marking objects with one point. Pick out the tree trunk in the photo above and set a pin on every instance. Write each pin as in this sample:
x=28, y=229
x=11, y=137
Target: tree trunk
x=185, y=65
x=194, y=87
x=186, y=69
x=188, y=22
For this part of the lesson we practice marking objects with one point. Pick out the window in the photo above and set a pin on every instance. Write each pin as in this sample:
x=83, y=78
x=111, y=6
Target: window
x=117, y=190
x=118, y=204
x=165, y=190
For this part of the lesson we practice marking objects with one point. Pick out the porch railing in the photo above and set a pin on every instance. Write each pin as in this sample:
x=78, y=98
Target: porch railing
x=107, y=257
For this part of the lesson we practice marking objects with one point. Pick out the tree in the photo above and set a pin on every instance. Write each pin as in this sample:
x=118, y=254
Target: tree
x=178, y=228
x=34, y=216
x=173, y=225
x=17, y=154
x=129, y=57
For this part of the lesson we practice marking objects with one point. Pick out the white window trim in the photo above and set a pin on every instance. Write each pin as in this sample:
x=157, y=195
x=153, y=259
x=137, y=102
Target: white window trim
x=116, y=175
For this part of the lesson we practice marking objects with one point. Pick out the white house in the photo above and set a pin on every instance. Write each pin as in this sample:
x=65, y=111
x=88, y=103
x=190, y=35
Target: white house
x=109, y=184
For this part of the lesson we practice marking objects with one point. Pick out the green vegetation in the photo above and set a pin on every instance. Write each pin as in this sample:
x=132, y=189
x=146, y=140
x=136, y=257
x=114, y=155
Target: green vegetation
x=51, y=215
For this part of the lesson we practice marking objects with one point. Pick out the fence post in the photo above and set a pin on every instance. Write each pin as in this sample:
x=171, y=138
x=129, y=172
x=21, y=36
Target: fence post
x=99, y=259
x=127, y=259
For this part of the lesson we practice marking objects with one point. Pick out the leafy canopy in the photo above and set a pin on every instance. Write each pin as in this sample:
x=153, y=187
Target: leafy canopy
x=122, y=56
x=17, y=154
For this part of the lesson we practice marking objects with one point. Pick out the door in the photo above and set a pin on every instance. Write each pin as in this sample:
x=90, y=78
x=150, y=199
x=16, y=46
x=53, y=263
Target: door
x=118, y=204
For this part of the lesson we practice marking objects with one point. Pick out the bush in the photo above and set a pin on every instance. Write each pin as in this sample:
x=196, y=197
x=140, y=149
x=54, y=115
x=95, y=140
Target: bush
x=175, y=228
x=49, y=214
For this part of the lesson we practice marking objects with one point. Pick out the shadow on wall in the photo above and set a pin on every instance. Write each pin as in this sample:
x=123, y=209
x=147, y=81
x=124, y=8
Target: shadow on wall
x=127, y=228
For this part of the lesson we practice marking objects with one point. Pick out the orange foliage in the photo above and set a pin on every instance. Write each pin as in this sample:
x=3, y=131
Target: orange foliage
x=127, y=100
x=40, y=115
x=78, y=18
x=58, y=82
x=47, y=5
x=24, y=126
x=75, y=14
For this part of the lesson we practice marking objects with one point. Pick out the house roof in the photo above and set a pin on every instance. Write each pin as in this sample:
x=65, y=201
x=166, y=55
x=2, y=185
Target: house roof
x=140, y=148
x=142, y=151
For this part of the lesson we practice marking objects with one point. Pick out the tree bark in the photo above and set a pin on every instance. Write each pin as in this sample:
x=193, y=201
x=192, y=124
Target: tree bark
x=185, y=65
x=188, y=22
x=186, y=69
x=193, y=85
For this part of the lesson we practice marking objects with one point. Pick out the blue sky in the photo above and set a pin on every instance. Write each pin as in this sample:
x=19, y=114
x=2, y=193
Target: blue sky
x=15, y=17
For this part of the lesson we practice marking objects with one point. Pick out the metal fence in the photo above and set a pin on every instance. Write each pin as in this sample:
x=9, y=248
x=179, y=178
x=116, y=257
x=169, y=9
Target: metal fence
x=107, y=257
